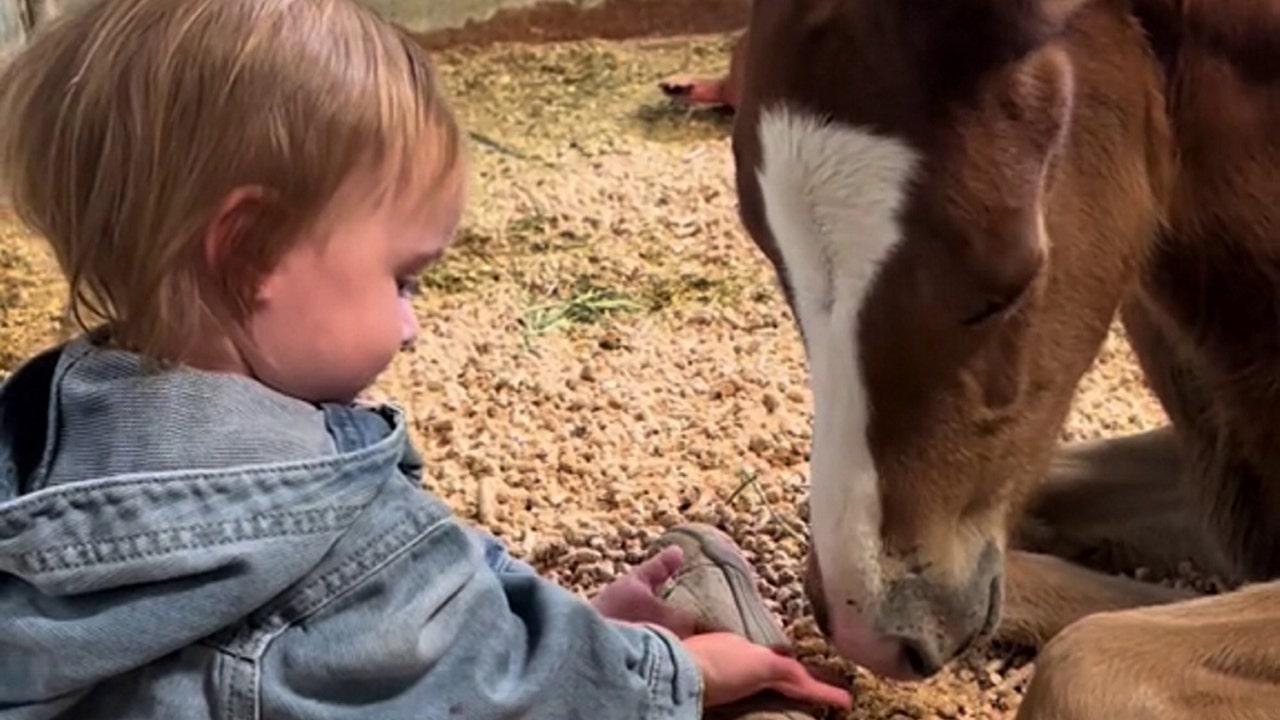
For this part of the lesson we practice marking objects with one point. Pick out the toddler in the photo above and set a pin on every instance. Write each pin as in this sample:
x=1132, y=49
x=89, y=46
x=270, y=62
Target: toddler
x=198, y=519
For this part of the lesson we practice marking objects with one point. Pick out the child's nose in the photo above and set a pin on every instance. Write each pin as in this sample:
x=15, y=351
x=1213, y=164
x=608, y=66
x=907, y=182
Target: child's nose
x=408, y=324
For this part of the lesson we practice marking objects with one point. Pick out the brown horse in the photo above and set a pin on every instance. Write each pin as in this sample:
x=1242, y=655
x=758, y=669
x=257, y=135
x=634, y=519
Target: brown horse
x=958, y=197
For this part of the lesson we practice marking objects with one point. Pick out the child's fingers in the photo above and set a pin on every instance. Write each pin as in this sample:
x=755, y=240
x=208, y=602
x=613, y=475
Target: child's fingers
x=812, y=691
x=649, y=608
x=821, y=673
x=817, y=694
x=660, y=568
x=793, y=680
x=677, y=620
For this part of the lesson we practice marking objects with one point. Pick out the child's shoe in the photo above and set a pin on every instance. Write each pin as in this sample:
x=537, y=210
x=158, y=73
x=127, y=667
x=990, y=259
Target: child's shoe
x=717, y=584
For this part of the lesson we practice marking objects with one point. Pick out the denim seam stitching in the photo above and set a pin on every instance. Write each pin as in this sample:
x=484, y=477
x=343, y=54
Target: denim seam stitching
x=270, y=472
x=357, y=570
x=286, y=617
x=274, y=475
x=40, y=561
x=250, y=641
x=652, y=666
x=354, y=571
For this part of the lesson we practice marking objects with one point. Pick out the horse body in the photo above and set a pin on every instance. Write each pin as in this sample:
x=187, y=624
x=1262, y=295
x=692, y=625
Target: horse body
x=958, y=197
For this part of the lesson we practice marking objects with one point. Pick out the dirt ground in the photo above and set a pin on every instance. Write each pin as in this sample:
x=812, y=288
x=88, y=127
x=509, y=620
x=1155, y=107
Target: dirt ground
x=605, y=352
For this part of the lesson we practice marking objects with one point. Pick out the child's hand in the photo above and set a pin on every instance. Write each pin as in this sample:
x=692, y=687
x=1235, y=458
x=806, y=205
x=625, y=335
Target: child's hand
x=633, y=597
x=734, y=668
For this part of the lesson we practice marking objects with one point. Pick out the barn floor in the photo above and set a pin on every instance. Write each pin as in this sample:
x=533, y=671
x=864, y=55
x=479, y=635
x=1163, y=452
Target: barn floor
x=605, y=351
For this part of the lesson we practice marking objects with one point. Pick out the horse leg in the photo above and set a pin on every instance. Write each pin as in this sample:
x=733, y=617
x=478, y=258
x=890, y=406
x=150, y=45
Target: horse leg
x=1045, y=594
x=1115, y=505
x=1215, y=657
x=1108, y=506
x=1118, y=505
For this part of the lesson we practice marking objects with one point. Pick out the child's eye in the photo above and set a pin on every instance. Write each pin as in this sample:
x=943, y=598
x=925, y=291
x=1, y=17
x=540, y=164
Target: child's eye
x=407, y=286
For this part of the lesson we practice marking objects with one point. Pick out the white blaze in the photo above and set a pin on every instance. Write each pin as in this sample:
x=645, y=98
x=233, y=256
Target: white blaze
x=831, y=196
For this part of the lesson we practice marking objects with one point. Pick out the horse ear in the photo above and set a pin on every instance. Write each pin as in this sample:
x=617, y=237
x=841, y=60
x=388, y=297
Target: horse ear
x=1055, y=14
x=1059, y=11
x=1035, y=22
x=981, y=34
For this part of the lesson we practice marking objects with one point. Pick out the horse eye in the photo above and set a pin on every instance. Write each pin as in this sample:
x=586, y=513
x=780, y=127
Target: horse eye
x=994, y=307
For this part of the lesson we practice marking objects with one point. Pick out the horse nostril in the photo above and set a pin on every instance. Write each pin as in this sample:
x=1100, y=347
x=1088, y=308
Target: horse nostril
x=995, y=604
x=822, y=618
x=923, y=663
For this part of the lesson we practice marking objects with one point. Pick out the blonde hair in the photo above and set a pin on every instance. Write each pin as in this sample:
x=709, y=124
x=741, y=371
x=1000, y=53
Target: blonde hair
x=124, y=127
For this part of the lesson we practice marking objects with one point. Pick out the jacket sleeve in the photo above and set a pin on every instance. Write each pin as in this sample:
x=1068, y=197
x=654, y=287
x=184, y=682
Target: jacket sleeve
x=438, y=633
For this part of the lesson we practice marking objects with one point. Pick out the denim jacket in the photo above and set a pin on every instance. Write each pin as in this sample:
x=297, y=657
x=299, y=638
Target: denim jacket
x=189, y=545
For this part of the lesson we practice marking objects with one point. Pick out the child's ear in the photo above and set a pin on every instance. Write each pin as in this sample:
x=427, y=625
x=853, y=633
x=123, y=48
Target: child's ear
x=234, y=219
x=238, y=245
